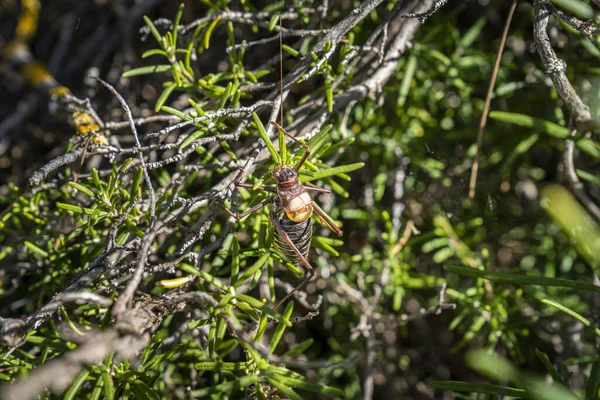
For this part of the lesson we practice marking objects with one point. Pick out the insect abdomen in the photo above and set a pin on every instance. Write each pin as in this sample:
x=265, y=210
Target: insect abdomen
x=300, y=233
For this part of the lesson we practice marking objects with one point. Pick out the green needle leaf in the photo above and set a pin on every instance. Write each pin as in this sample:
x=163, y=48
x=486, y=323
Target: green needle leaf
x=153, y=69
x=259, y=264
x=220, y=366
x=526, y=121
x=82, y=189
x=516, y=279
x=299, y=348
x=285, y=322
x=210, y=30
x=164, y=96
x=481, y=388
x=35, y=249
x=325, y=173
x=312, y=387
x=153, y=29
x=263, y=135
x=573, y=314
x=176, y=24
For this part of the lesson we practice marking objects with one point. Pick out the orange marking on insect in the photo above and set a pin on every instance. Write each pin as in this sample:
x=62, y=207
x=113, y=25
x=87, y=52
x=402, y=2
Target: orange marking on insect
x=301, y=214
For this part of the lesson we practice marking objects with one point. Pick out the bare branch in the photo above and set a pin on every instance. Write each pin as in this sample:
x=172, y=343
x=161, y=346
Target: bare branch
x=588, y=28
x=574, y=182
x=379, y=76
x=422, y=17
x=55, y=164
x=555, y=68
x=137, y=142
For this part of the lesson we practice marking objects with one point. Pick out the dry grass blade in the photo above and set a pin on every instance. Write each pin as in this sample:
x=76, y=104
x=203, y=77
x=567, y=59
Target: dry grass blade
x=488, y=100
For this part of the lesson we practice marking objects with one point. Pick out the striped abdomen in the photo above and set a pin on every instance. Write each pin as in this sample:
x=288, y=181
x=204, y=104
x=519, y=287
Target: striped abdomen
x=300, y=234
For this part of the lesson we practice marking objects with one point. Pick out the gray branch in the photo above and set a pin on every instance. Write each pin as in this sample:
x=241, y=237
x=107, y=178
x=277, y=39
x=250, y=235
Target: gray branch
x=555, y=68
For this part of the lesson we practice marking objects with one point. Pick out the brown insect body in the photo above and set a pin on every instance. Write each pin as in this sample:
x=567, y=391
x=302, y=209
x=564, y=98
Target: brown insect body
x=293, y=209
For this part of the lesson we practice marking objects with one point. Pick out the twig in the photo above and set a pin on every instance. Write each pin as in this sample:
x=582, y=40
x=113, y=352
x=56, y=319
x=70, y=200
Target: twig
x=142, y=121
x=126, y=297
x=244, y=46
x=422, y=17
x=227, y=16
x=126, y=338
x=333, y=36
x=55, y=164
x=232, y=112
x=369, y=334
x=197, y=234
x=137, y=142
x=13, y=331
x=398, y=205
x=324, y=58
x=555, y=68
x=87, y=298
x=409, y=230
x=488, y=100
x=574, y=182
x=588, y=28
x=80, y=282
x=300, y=297
x=435, y=310
x=377, y=78
x=181, y=154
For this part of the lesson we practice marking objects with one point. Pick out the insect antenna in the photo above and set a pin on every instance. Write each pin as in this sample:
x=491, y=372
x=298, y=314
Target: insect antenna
x=281, y=68
x=282, y=147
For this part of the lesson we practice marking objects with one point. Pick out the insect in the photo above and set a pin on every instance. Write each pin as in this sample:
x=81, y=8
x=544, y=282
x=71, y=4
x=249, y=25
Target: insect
x=291, y=212
x=292, y=203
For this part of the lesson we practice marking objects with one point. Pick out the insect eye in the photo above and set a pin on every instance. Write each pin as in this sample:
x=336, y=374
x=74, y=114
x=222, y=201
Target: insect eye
x=289, y=174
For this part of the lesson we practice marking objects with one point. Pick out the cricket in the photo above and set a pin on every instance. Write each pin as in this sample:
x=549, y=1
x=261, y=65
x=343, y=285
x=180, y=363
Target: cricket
x=292, y=205
x=291, y=212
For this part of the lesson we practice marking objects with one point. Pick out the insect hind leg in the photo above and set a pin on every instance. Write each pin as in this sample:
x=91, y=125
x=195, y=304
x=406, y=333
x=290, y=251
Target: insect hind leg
x=248, y=211
x=301, y=285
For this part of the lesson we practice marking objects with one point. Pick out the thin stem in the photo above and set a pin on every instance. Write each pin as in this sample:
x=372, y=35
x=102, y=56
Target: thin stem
x=488, y=100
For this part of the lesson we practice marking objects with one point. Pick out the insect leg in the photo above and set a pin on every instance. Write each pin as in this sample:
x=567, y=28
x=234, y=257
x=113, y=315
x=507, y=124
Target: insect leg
x=238, y=182
x=309, y=268
x=250, y=210
x=315, y=188
x=269, y=189
x=326, y=220
x=306, y=149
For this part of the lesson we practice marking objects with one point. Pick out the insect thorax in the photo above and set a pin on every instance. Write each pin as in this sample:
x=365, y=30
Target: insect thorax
x=295, y=200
